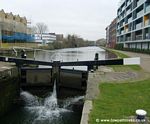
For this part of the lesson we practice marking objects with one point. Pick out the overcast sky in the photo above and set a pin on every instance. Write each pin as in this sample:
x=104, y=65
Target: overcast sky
x=86, y=18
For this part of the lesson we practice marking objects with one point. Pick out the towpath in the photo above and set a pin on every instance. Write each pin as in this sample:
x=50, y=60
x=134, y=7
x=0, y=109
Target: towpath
x=145, y=59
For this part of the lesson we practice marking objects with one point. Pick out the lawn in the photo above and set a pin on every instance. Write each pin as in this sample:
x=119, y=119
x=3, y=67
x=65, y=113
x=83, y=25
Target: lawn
x=119, y=54
x=119, y=101
x=123, y=67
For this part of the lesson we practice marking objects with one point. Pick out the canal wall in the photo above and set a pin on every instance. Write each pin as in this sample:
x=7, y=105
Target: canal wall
x=9, y=87
x=91, y=92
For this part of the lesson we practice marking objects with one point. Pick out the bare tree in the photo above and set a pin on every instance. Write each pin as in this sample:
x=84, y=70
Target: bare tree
x=34, y=29
x=41, y=28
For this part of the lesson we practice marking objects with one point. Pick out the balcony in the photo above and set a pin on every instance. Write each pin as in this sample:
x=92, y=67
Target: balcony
x=147, y=9
x=123, y=8
x=147, y=22
x=121, y=39
x=129, y=20
x=138, y=37
x=140, y=2
x=139, y=14
x=126, y=30
x=122, y=32
x=139, y=26
x=147, y=36
x=128, y=3
x=122, y=23
x=128, y=12
x=118, y=33
x=128, y=38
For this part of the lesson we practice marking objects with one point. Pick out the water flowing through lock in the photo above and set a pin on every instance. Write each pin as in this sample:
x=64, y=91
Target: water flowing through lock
x=47, y=110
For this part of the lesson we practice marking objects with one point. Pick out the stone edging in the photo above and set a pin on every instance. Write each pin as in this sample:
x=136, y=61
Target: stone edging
x=86, y=111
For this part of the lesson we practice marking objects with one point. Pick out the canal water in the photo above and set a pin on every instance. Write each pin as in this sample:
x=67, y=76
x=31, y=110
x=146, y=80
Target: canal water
x=75, y=54
x=48, y=110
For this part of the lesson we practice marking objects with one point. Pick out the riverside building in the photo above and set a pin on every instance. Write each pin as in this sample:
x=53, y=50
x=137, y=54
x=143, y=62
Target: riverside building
x=45, y=38
x=111, y=34
x=133, y=24
x=14, y=29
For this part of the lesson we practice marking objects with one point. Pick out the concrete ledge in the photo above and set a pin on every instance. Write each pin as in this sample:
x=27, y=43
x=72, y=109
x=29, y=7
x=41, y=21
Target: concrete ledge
x=86, y=111
x=8, y=71
x=9, y=87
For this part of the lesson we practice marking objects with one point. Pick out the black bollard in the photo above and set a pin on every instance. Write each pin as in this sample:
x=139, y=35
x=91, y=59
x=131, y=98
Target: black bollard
x=96, y=59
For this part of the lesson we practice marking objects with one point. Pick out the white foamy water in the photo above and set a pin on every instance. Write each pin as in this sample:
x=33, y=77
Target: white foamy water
x=29, y=99
x=69, y=101
x=48, y=110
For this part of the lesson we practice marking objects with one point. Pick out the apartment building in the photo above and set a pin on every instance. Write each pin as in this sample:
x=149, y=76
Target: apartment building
x=13, y=28
x=111, y=34
x=133, y=24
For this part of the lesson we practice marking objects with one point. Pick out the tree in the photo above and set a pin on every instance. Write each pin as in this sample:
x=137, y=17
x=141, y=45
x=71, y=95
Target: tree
x=34, y=29
x=101, y=42
x=41, y=28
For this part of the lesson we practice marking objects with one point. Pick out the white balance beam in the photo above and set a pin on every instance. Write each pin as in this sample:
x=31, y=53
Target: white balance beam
x=132, y=61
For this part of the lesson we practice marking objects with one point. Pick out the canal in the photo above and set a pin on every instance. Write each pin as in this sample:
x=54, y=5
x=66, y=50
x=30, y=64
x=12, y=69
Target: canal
x=49, y=110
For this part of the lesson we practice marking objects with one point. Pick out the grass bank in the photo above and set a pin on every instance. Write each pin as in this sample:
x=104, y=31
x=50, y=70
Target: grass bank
x=117, y=53
x=119, y=101
x=123, y=67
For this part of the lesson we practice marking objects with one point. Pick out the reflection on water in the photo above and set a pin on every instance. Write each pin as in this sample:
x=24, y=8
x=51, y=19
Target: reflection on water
x=71, y=55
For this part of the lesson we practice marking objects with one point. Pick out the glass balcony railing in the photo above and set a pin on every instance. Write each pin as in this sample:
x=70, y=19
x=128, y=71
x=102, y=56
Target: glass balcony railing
x=122, y=32
x=140, y=2
x=140, y=13
x=138, y=37
x=126, y=30
x=128, y=39
x=128, y=12
x=130, y=28
x=123, y=8
x=128, y=3
x=121, y=39
x=138, y=26
x=147, y=9
x=130, y=20
x=147, y=36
